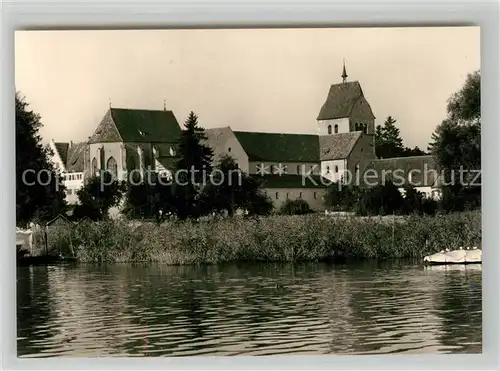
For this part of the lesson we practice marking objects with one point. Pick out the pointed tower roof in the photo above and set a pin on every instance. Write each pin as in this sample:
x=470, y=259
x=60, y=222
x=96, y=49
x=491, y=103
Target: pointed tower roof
x=344, y=74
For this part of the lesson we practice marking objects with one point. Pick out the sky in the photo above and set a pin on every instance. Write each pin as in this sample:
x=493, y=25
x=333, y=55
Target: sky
x=271, y=80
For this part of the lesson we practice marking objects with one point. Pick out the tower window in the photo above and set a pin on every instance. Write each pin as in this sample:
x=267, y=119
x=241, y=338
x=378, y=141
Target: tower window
x=336, y=169
x=328, y=169
x=229, y=149
x=336, y=128
x=329, y=129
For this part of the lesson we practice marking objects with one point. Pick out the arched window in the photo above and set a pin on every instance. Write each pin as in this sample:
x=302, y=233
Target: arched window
x=111, y=166
x=336, y=128
x=94, y=166
x=328, y=169
x=229, y=149
x=336, y=169
x=277, y=195
x=329, y=129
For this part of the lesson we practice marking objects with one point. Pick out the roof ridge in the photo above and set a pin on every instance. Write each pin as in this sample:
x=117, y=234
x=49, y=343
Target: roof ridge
x=394, y=158
x=140, y=109
x=272, y=133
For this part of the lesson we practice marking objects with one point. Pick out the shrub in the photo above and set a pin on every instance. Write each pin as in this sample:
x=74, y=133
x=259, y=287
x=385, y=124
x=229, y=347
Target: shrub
x=295, y=207
x=286, y=238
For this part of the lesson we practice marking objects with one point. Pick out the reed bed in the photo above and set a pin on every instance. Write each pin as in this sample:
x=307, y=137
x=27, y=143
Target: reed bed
x=276, y=238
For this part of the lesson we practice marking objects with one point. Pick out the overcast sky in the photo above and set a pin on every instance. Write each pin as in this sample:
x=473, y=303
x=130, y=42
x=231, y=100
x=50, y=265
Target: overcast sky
x=256, y=80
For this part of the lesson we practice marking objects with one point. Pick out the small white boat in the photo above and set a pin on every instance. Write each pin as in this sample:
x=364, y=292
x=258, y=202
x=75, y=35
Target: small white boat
x=461, y=256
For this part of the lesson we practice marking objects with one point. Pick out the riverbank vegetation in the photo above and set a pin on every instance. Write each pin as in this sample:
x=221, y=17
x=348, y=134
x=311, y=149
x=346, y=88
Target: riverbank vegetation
x=277, y=238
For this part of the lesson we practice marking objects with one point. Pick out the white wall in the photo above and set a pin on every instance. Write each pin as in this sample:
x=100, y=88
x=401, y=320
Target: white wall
x=73, y=182
x=330, y=165
x=291, y=167
x=313, y=196
x=343, y=125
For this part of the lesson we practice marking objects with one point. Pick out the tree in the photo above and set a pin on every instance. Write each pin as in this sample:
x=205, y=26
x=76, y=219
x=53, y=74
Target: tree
x=456, y=144
x=145, y=200
x=230, y=188
x=341, y=197
x=192, y=168
x=388, y=142
x=40, y=192
x=415, y=151
x=98, y=195
x=381, y=200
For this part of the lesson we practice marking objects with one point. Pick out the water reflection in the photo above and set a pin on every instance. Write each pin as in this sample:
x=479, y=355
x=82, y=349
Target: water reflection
x=257, y=309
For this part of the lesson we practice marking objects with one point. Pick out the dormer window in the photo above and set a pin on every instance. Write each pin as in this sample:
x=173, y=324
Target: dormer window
x=141, y=132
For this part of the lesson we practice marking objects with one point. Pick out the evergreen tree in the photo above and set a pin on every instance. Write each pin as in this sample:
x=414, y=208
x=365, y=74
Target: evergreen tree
x=388, y=142
x=193, y=168
x=39, y=187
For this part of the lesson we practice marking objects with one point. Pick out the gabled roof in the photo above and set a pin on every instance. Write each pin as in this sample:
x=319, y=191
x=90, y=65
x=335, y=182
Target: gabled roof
x=397, y=169
x=279, y=147
x=74, y=162
x=341, y=100
x=137, y=125
x=71, y=155
x=291, y=181
x=217, y=136
x=62, y=150
x=337, y=146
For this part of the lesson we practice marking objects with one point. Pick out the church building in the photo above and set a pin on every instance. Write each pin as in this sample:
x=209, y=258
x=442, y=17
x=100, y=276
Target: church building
x=292, y=166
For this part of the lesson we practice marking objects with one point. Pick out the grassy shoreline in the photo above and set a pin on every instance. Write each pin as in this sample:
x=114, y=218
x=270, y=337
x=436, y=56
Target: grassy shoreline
x=270, y=239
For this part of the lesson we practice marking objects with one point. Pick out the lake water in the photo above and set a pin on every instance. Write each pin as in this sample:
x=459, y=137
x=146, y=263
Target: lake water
x=248, y=309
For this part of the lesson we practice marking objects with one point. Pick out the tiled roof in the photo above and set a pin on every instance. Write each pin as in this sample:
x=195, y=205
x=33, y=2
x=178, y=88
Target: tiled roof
x=279, y=147
x=135, y=125
x=340, y=100
x=292, y=181
x=338, y=146
x=75, y=157
x=71, y=155
x=62, y=150
x=398, y=170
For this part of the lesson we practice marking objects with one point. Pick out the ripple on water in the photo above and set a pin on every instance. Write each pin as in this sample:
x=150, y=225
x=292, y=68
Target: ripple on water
x=237, y=310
